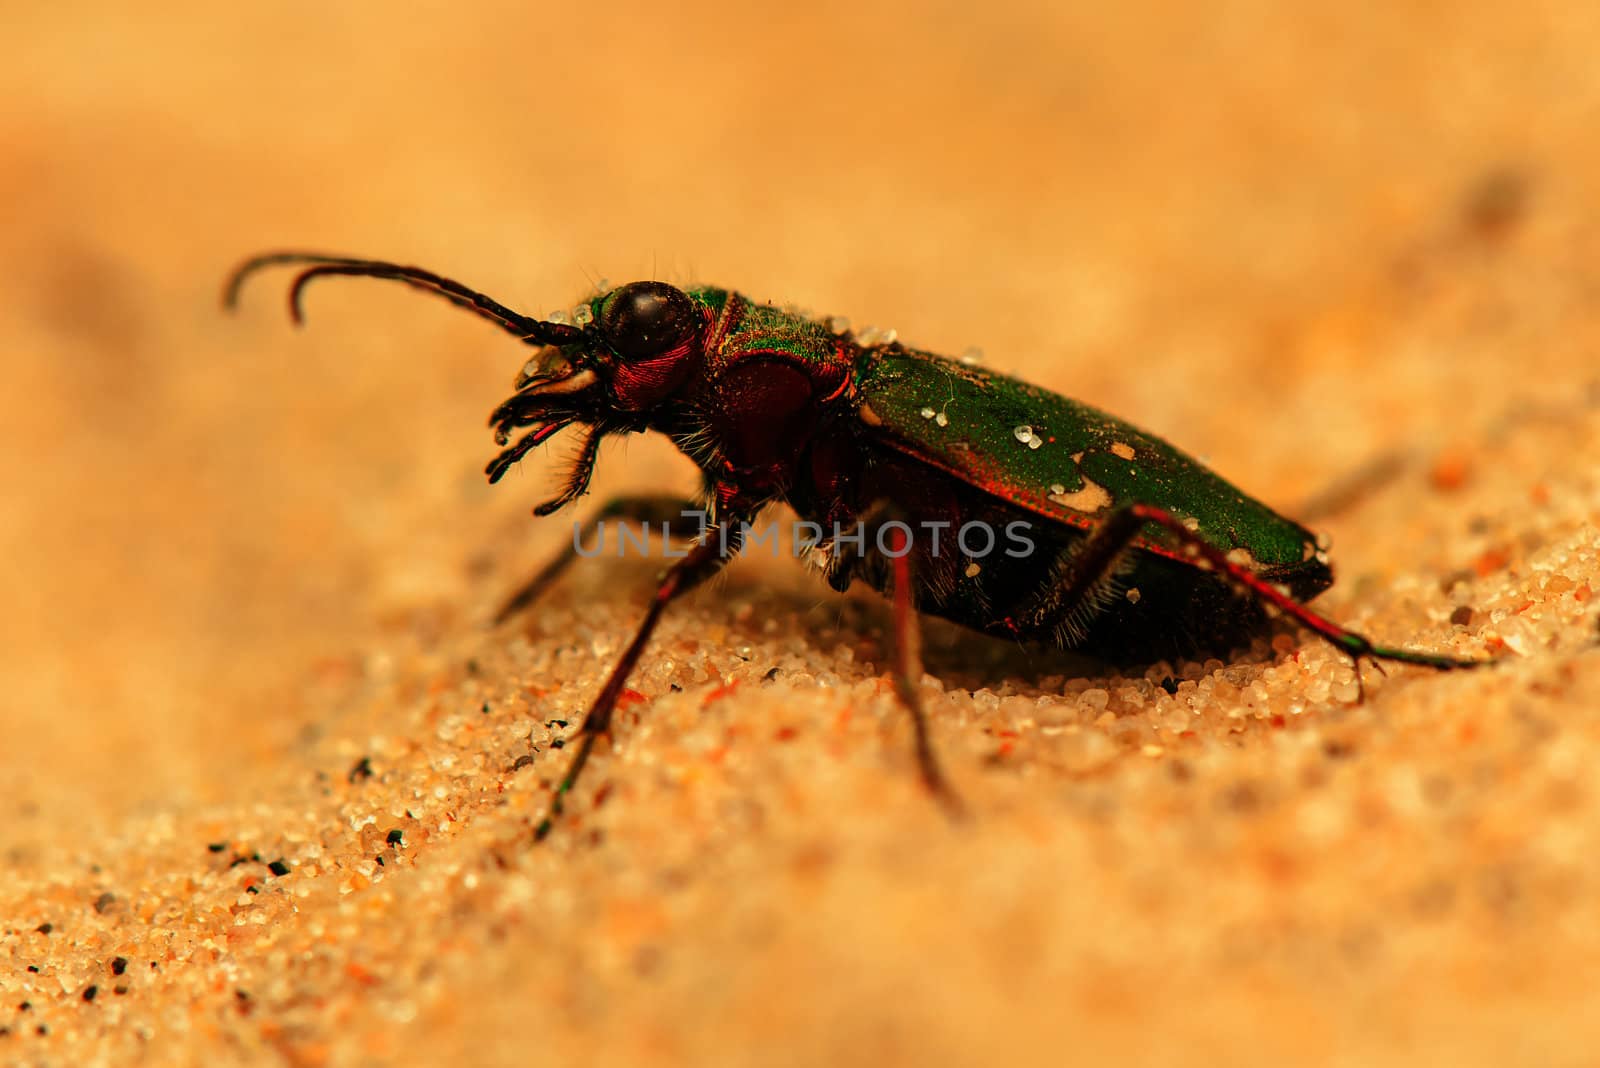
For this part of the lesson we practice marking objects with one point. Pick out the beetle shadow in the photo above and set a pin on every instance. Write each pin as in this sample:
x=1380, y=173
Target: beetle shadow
x=862, y=622
x=961, y=658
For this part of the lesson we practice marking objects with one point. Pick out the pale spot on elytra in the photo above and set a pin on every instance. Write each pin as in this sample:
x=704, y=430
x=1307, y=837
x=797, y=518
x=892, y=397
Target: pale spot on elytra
x=1124, y=451
x=1091, y=498
x=868, y=416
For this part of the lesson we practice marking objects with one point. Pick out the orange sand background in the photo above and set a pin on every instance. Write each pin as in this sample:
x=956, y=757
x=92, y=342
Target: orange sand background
x=1300, y=240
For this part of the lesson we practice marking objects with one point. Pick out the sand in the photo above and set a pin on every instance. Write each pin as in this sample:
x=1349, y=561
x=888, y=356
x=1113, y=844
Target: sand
x=269, y=775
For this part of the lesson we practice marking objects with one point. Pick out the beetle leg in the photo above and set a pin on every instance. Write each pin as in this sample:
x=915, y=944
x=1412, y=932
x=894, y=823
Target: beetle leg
x=716, y=547
x=908, y=648
x=671, y=513
x=908, y=673
x=1099, y=552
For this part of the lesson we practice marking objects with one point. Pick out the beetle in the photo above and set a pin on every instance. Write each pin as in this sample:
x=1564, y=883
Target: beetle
x=1136, y=551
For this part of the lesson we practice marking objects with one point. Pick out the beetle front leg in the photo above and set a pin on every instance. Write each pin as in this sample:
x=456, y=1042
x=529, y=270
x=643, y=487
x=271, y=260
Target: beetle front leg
x=717, y=546
x=669, y=512
x=1096, y=557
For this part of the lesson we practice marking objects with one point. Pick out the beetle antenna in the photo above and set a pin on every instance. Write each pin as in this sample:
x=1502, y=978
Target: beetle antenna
x=523, y=327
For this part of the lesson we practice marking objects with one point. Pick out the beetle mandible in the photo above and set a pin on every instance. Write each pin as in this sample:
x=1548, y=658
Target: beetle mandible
x=1136, y=550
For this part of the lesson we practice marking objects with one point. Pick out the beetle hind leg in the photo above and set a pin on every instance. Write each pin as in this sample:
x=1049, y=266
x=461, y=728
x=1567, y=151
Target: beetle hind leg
x=1356, y=646
x=1083, y=581
x=1095, y=560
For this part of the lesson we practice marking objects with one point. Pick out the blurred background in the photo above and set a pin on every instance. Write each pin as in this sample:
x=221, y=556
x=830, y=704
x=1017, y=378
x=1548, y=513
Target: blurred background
x=1292, y=238
x=1195, y=217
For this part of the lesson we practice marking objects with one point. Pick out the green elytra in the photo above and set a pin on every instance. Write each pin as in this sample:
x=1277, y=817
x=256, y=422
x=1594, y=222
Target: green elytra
x=1061, y=459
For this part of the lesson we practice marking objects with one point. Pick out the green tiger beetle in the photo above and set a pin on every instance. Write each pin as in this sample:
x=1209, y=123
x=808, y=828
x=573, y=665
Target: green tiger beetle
x=1135, y=551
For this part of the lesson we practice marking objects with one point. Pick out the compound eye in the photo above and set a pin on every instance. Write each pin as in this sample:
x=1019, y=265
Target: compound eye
x=647, y=318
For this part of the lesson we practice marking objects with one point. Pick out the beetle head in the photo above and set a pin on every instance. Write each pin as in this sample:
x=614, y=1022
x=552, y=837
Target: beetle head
x=642, y=342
